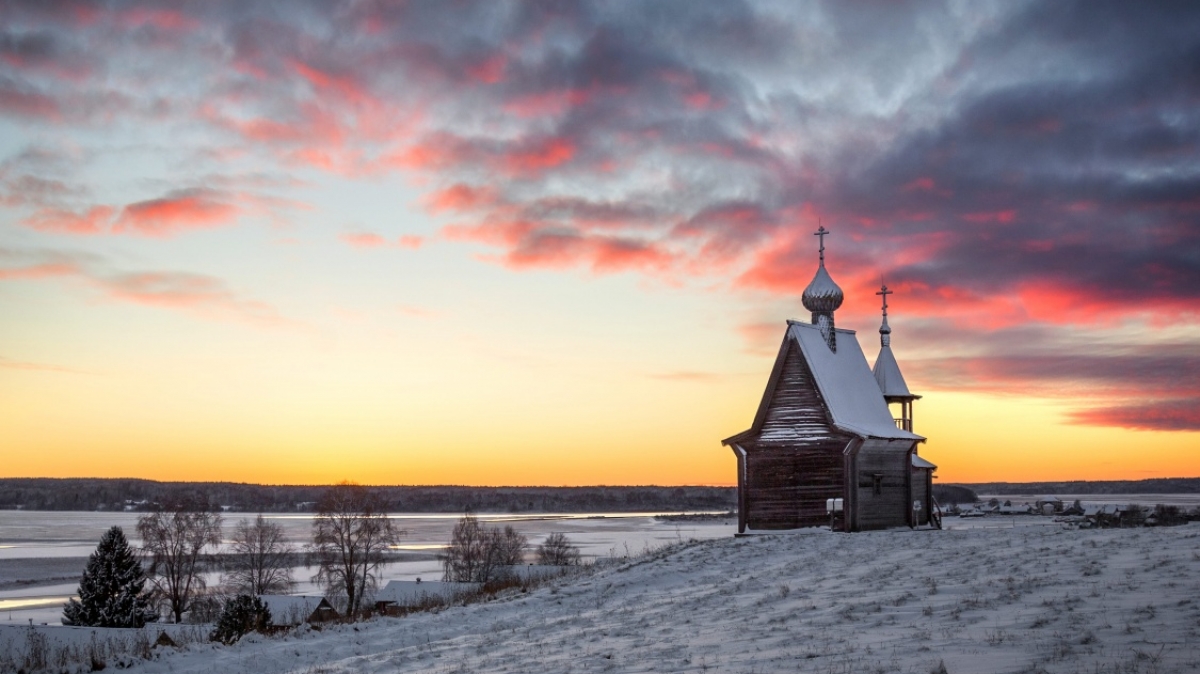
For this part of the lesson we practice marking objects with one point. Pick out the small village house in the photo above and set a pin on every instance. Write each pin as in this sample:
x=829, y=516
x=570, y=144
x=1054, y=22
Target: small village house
x=294, y=610
x=399, y=595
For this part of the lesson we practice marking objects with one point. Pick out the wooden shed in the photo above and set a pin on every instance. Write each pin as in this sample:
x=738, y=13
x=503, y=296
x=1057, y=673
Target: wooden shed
x=824, y=432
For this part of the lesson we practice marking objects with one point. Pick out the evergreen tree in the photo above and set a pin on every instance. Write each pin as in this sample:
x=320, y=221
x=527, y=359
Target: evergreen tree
x=110, y=592
x=243, y=614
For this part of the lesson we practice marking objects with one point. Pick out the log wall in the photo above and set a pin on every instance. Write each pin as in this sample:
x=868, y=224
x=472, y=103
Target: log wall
x=795, y=462
x=882, y=481
x=788, y=488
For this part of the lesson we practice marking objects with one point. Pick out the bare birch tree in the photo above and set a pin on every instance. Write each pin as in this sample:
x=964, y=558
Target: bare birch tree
x=351, y=537
x=175, y=540
x=260, y=559
x=478, y=554
x=557, y=550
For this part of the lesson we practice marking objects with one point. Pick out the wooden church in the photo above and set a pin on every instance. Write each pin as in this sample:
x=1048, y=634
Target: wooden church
x=824, y=446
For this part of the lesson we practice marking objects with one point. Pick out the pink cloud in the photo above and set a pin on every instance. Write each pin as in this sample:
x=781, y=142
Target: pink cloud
x=95, y=220
x=373, y=240
x=163, y=19
x=990, y=216
x=29, y=104
x=489, y=70
x=170, y=289
x=363, y=239
x=539, y=156
x=460, y=197
x=40, y=270
x=547, y=103
x=530, y=245
x=1169, y=415
x=176, y=212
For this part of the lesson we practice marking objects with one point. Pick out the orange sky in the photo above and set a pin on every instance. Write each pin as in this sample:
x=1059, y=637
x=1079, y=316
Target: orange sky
x=557, y=244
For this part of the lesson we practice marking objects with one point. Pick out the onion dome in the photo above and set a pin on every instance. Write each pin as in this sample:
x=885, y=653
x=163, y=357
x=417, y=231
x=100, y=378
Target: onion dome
x=822, y=297
x=822, y=294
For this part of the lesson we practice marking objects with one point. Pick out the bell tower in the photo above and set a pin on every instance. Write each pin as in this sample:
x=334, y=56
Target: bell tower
x=887, y=372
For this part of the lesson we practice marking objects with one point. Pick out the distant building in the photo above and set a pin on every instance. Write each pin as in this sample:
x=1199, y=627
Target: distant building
x=1049, y=505
x=292, y=610
x=824, y=438
x=404, y=594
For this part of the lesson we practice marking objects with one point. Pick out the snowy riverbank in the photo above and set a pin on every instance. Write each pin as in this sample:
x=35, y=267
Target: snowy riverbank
x=1025, y=599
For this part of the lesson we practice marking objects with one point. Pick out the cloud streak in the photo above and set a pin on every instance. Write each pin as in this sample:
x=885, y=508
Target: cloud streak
x=200, y=295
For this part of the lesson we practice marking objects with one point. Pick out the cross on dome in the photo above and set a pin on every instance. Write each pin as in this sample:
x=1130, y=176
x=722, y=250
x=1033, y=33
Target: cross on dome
x=822, y=296
x=884, y=330
x=885, y=292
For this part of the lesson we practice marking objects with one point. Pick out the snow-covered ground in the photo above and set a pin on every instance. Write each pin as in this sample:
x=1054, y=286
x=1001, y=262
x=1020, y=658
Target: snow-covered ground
x=1019, y=599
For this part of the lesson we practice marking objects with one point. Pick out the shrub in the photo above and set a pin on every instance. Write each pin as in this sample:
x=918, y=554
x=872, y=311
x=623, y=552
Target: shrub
x=557, y=550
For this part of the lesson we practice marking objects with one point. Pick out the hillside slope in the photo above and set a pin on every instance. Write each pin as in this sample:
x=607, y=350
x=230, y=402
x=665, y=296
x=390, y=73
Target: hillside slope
x=1032, y=598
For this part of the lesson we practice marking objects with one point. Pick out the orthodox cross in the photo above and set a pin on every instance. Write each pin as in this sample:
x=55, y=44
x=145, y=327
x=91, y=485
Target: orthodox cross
x=821, y=232
x=885, y=292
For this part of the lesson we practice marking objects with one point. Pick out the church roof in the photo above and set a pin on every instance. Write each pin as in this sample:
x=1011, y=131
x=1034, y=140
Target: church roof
x=887, y=374
x=918, y=462
x=850, y=392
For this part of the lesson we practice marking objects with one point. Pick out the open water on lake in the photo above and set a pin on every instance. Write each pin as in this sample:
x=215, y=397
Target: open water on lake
x=43, y=553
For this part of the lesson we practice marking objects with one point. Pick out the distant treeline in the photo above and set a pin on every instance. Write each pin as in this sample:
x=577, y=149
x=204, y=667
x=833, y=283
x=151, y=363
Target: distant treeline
x=969, y=493
x=120, y=494
x=1163, y=485
x=947, y=494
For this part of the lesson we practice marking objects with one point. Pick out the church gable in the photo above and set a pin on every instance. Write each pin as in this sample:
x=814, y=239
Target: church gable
x=795, y=412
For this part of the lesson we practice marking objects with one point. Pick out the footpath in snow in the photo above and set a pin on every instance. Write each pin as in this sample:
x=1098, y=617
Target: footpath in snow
x=1029, y=599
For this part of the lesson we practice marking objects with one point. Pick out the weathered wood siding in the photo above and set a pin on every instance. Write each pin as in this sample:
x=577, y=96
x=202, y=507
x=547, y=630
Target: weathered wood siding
x=795, y=462
x=882, y=482
x=796, y=412
x=788, y=487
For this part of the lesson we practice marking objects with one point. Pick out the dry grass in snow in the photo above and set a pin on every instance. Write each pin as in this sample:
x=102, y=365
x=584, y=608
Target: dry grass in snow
x=1029, y=599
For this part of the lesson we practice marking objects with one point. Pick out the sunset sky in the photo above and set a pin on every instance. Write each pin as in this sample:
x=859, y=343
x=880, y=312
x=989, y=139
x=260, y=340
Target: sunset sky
x=557, y=243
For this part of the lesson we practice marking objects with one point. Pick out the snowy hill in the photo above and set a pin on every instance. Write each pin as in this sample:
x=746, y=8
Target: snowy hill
x=1027, y=599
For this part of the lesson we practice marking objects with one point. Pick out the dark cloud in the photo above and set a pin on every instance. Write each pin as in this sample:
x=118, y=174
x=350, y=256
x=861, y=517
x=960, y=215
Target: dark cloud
x=1131, y=385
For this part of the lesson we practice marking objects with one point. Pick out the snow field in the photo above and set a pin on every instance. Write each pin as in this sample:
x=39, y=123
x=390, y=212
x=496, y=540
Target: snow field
x=1030, y=599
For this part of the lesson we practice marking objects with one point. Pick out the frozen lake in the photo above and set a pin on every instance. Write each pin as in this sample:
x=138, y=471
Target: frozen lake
x=42, y=553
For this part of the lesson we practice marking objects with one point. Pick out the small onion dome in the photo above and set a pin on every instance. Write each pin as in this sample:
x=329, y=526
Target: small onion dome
x=822, y=294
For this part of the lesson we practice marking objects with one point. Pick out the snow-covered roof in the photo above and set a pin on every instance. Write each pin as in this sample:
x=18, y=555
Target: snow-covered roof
x=292, y=609
x=887, y=374
x=846, y=384
x=408, y=592
x=918, y=462
x=536, y=571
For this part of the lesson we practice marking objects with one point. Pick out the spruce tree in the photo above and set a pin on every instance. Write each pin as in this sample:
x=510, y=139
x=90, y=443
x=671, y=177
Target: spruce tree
x=110, y=592
x=243, y=614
